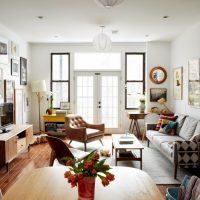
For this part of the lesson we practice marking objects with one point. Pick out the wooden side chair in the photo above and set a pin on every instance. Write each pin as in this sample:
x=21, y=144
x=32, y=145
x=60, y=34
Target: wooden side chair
x=60, y=149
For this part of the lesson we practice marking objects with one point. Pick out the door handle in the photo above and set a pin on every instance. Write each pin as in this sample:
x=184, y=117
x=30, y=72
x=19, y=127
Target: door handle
x=99, y=106
x=99, y=102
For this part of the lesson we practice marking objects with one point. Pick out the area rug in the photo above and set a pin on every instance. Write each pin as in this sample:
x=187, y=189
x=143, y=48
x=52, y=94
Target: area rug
x=154, y=163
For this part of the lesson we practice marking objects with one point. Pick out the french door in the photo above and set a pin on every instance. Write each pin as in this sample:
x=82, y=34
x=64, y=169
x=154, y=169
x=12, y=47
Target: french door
x=97, y=98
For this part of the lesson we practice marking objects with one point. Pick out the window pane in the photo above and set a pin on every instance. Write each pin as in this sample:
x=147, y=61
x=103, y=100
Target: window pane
x=60, y=93
x=134, y=90
x=134, y=67
x=100, y=61
x=60, y=66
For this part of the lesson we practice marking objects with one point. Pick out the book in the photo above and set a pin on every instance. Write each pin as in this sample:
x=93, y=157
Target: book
x=126, y=141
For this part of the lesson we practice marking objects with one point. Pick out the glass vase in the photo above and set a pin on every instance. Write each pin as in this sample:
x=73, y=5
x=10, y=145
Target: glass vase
x=86, y=187
x=142, y=107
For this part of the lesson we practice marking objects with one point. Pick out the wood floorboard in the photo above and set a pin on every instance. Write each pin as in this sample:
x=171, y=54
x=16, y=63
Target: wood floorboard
x=37, y=157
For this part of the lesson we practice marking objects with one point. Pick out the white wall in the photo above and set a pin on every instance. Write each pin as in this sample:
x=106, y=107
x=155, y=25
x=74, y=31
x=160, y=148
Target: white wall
x=158, y=54
x=184, y=48
x=24, y=51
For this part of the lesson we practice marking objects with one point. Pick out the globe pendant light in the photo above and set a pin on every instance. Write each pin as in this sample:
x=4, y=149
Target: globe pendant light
x=102, y=42
x=108, y=3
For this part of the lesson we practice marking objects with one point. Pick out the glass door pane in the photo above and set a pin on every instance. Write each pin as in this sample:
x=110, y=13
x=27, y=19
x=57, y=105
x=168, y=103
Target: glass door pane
x=85, y=97
x=110, y=101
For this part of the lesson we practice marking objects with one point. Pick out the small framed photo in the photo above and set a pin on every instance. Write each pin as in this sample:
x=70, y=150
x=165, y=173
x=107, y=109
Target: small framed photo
x=23, y=71
x=158, y=93
x=64, y=105
x=14, y=67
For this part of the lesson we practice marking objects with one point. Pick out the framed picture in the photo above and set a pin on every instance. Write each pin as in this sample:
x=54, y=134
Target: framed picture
x=64, y=105
x=194, y=83
x=23, y=71
x=1, y=83
x=3, y=50
x=158, y=93
x=178, y=83
x=8, y=91
x=14, y=67
x=14, y=49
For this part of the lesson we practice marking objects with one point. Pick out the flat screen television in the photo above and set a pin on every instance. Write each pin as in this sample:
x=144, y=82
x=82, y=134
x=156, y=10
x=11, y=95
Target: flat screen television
x=6, y=116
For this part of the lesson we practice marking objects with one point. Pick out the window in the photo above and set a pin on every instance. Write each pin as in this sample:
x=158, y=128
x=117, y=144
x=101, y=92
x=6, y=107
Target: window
x=134, y=79
x=97, y=61
x=60, y=78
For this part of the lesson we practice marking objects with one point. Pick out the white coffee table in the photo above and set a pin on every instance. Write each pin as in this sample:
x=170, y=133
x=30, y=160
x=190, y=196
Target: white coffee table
x=132, y=147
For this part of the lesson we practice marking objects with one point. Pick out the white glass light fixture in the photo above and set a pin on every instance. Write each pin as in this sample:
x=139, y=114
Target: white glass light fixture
x=102, y=42
x=108, y=3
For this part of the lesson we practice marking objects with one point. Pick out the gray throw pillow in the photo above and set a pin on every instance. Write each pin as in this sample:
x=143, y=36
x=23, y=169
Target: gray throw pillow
x=180, y=119
x=188, y=128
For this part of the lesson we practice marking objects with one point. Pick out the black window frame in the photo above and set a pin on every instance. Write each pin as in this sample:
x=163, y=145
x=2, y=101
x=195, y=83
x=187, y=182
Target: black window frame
x=60, y=81
x=131, y=81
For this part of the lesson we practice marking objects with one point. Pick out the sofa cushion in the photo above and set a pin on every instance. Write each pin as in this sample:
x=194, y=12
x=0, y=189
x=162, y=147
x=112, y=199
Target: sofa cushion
x=168, y=127
x=188, y=128
x=180, y=119
x=93, y=132
x=166, y=148
x=171, y=118
x=166, y=138
x=151, y=133
x=197, y=130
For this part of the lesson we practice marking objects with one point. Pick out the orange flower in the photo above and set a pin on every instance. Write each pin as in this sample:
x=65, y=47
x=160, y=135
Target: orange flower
x=67, y=174
x=96, y=156
x=79, y=175
x=69, y=163
x=110, y=177
x=88, y=165
x=94, y=171
x=105, y=181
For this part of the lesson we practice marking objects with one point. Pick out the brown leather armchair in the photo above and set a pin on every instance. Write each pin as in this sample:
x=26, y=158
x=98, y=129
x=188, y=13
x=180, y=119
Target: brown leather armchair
x=79, y=130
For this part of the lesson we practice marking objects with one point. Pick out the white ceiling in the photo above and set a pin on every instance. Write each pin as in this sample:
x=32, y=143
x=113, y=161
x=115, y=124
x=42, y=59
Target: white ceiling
x=79, y=20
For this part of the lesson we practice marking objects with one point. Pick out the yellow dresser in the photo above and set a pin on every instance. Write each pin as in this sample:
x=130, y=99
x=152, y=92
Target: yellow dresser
x=53, y=123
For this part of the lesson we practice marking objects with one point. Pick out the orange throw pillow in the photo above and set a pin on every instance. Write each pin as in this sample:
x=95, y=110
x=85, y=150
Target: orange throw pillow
x=168, y=117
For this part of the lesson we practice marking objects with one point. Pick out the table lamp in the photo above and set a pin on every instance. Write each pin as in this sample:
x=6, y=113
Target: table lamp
x=38, y=87
x=162, y=101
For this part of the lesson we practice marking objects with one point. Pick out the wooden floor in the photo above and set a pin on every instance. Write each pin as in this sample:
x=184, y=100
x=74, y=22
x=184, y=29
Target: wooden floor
x=26, y=161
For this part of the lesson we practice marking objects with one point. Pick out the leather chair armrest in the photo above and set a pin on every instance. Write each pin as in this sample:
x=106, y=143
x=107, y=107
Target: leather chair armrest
x=76, y=133
x=100, y=127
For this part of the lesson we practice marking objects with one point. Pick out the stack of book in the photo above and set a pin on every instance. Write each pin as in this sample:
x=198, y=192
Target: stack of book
x=126, y=139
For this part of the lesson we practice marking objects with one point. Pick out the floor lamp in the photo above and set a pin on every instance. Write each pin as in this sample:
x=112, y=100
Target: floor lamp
x=38, y=87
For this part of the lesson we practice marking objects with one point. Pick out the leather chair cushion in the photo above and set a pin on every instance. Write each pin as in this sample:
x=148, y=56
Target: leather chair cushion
x=93, y=132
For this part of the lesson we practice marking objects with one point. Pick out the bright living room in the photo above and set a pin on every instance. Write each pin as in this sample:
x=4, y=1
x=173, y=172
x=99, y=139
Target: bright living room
x=170, y=40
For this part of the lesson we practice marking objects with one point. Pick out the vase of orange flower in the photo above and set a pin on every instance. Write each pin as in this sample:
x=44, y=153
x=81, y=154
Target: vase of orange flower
x=83, y=174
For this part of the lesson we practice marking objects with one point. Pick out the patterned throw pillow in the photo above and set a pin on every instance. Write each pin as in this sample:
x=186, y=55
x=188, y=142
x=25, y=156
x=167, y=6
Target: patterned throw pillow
x=168, y=127
x=171, y=118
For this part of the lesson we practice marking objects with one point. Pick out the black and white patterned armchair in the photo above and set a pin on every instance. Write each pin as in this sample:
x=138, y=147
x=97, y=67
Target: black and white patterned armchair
x=186, y=154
